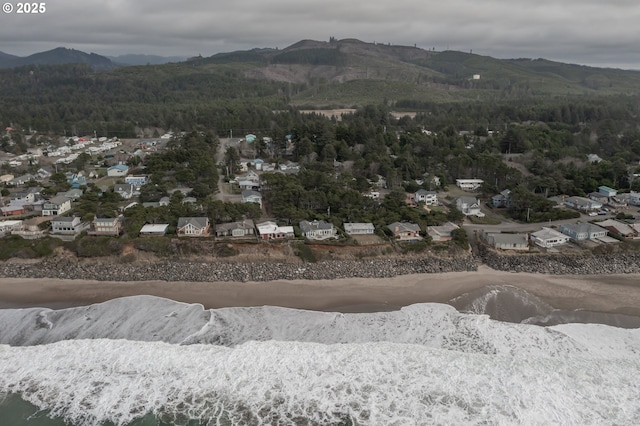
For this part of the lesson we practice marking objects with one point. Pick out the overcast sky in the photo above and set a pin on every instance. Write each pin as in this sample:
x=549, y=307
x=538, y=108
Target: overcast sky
x=589, y=32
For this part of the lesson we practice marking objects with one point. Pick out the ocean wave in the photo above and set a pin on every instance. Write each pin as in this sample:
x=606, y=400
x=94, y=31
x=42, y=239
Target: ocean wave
x=88, y=382
x=148, y=318
x=424, y=364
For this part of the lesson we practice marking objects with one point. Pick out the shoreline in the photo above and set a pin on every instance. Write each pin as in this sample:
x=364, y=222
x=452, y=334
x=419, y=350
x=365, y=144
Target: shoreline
x=606, y=293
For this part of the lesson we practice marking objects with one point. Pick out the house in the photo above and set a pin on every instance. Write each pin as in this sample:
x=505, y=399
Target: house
x=618, y=228
x=245, y=228
x=582, y=203
x=106, y=226
x=598, y=197
x=21, y=180
x=249, y=180
x=430, y=198
x=7, y=226
x=193, y=226
x=258, y=163
x=633, y=198
x=67, y=225
x=607, y=192
x=6, y=178
x=404, y=231
x=136, y=181
x=507, y=241
x=43, y=174
x=469, y=184
x=317, y=230
x=353, y=228
x=251, y=196
x=271, y=231
x=442, y=232
x=14, y=209
x=548, y=238
x=77, y=181
x=154, y=230
x=583, y=231
x=73, y=193
x=502, y=199
x=29, y=230
x=469, y=206
x=125, y=190
x=25, y=197
x=58, y=205
x=119, y=170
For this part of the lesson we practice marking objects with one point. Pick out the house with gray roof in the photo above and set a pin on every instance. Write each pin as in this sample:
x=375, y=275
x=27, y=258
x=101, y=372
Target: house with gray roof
x=67, y=225
x=245, y=228
x=429, y=198
x=58, y=205
x=547, y=238
x=404, y=231
x=507, y=241
x=442, y=232
x=193, y=226
x=469, y=206
x=583, y=231
x=124, y=189
x=353, y=228
x=317, y=230
x=251, y=196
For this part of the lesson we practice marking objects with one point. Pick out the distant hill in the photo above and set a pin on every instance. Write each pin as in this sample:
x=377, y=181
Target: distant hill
x=470, y=75
x=139, y=59
x=58, y=56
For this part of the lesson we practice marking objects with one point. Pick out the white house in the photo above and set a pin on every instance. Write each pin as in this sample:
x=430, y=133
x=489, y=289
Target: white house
x=548, y=238
x=353, y=228
x=124, y=189
x=469, y=184
x=317, y=230
x=582, y=203
x=193, y=226
x=118, y=170
x=271, y=231
x=633, y=198
x=67, y=225
x=7, y=226
x=430, y=198
x=469, y=206
x=154, y=230
x=250, y=196
x=56, y=206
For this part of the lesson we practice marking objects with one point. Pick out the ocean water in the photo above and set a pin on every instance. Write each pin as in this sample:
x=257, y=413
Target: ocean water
x=150, y=361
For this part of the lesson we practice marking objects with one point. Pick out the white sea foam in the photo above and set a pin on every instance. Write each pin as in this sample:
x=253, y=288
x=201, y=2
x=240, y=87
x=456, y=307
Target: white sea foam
x=424, y=364
x=90, y=381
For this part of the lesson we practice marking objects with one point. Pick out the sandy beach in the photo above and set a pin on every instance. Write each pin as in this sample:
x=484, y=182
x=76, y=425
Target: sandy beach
x=599, y=293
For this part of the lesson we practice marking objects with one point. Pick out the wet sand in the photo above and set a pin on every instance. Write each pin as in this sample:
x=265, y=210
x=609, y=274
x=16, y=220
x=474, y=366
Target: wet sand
x=598, y=293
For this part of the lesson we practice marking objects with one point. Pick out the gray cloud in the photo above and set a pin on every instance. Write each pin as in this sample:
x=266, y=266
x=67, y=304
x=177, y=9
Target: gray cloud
x=588, y=32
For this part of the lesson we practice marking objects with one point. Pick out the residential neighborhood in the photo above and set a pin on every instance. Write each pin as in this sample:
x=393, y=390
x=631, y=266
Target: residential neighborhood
x=128, y=188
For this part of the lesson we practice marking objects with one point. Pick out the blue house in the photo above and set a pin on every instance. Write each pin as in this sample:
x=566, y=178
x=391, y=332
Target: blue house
x=77, y=181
